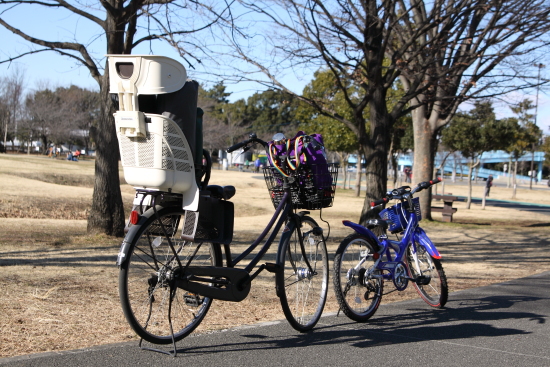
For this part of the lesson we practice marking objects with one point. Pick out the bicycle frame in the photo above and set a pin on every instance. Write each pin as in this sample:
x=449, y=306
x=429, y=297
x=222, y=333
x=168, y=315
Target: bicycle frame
x=282, y=214
x=412, y=235
x=363, y=260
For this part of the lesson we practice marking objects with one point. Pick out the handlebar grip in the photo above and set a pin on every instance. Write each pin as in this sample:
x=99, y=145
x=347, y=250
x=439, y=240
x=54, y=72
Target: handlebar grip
x=378, y=202
x=435, y=180
x=237, y=146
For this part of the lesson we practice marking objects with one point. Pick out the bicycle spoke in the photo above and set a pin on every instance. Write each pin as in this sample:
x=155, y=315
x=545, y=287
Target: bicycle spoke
x=304, y=278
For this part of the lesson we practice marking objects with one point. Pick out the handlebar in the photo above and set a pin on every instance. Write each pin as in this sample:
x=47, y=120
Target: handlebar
x=426, y=184
x=379, y=202
x=237, y=146
x=404, y=192
x=253, y=139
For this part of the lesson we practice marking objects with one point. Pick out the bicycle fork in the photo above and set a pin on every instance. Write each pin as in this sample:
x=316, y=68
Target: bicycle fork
x=421, y=279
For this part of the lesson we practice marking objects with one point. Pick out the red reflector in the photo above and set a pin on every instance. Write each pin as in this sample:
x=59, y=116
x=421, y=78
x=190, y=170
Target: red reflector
x=376, y=256
x=134, y=217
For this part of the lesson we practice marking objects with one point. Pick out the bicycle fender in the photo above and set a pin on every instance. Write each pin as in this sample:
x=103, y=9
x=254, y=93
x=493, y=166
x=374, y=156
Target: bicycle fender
x=125, y=246
x=361, y=230
x=422, y=238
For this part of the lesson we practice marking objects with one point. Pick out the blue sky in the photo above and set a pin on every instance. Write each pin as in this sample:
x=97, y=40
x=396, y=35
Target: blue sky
x=60, y=70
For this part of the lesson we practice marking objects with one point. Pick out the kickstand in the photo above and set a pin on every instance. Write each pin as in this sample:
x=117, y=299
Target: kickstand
x=175, y=352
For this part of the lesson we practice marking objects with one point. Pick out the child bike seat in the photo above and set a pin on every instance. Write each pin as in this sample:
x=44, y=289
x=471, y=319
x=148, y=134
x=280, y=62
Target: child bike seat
x=221, y=192
x=372, y=223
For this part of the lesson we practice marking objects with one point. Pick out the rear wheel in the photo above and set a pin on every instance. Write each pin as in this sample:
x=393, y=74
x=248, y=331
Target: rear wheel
x=358, y=289
x=154, y=307
x=433, y=284
x=302, y=283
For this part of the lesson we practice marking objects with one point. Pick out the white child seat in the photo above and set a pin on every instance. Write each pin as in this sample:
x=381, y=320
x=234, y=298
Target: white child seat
x=154, y=151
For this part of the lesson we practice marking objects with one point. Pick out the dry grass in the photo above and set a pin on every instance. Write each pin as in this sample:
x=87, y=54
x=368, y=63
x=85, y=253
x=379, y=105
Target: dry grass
x=60, y=285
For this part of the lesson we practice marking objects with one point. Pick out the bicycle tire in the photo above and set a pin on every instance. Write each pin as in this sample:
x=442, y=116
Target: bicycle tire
x=350, y=286
x=436, y=292
x=146, y=293
x=302, y=294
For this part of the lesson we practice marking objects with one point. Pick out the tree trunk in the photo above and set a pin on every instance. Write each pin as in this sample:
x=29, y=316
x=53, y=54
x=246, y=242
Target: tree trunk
x=423, y=161
x=532, y=167
x=509, y=172
x=345, y=169
x=359, y=174
x=470, y=172
x=454, y=169
x=375, y=151
x=343, y=157
x=107, y=212
x=6, y=125
x=394, y=161
x=376, y=181
x=514, y=179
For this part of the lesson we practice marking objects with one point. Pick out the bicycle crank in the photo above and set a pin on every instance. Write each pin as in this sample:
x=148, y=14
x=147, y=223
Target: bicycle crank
x=400, y=278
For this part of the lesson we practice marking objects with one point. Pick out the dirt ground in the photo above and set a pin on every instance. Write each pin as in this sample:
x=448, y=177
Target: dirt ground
x=60, y=285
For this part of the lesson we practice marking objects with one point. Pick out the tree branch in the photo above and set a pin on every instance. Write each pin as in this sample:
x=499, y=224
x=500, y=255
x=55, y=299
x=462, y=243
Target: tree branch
x=86, y=59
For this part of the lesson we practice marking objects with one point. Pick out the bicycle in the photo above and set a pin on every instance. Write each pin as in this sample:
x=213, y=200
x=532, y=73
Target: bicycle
x=168, y=281
x=364, y=260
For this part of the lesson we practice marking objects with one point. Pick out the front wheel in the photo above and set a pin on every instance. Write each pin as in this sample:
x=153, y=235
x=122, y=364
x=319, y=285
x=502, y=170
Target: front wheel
x=302, y=282
x=154, y=307
x=433, y=284
x=358, y=286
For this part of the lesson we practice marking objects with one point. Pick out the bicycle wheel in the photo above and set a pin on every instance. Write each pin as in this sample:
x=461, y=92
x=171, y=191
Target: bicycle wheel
x=153, y=306
x=358, y=295
x=435, y=291
x=302, y=288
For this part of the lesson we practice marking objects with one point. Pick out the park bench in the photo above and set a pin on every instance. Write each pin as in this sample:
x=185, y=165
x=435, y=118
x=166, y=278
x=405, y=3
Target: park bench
x=447, y=210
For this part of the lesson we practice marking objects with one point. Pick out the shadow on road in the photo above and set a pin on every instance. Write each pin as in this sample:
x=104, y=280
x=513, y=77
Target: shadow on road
x=413, y=323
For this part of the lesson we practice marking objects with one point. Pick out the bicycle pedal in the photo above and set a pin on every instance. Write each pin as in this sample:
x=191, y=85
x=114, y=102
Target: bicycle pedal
x=192, y=300
x=272, y=268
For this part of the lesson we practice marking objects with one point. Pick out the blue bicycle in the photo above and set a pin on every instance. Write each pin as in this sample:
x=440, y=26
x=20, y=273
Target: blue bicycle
x=364, y=260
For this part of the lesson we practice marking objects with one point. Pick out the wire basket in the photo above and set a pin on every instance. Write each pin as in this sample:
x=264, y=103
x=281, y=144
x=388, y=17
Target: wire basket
x=313, y=188
x=394, y=214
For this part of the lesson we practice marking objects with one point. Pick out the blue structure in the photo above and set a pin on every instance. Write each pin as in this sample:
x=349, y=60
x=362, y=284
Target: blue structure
x=498, y=156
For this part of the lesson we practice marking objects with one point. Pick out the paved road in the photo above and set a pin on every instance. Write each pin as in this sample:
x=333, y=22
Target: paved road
x=500, y=325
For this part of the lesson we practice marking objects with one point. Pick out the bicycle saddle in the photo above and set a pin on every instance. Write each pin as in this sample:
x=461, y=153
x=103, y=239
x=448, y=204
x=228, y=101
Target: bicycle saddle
x=372, y=223
x=221, y=192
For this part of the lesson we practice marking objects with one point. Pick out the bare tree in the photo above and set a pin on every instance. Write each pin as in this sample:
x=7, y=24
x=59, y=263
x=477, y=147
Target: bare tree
x=45, y=115
x=11, y=97
x=82, y=109
x=124, y=25
x=443, y=52
x=346, y=38
x=4, y=117
x=483, y=49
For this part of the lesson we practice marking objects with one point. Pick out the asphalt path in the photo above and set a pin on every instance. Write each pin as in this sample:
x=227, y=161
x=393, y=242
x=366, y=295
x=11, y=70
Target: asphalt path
x=500, y=325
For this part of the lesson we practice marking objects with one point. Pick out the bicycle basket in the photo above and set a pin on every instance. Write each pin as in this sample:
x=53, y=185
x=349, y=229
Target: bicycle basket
x=395, y=215
x=313, y=188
